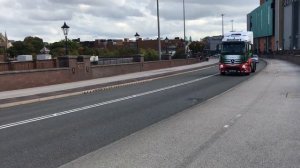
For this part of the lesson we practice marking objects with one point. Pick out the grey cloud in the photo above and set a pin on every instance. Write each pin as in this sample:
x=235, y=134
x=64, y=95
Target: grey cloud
x=117, y=13
x=102, y=18
x=196, y=9
x=50, y=15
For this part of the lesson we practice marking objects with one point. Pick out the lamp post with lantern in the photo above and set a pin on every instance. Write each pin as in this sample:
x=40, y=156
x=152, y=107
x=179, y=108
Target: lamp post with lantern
x=167, y=44
x=65, y=29
x=137, y=37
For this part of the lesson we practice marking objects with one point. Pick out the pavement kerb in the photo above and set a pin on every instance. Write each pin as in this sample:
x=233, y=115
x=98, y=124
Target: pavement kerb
x=95, y=88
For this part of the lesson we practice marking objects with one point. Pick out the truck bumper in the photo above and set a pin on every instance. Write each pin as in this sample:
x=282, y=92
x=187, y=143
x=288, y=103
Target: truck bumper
x=235, y=68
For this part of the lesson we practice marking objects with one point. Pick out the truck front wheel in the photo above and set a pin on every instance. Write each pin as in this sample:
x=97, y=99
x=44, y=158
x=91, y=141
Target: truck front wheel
x=253, y=67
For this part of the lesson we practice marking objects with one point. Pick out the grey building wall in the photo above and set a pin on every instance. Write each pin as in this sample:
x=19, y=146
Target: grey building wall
x=291, y=33
x=279, y=24
x=277, y=20
x=214, y=42
x=288, y=20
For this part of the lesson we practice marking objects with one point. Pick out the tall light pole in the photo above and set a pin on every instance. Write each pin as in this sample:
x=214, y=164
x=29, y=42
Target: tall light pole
x=65, y=29
x=231, y=25
x=184, y=27
x=158, y=27
x=222, y=24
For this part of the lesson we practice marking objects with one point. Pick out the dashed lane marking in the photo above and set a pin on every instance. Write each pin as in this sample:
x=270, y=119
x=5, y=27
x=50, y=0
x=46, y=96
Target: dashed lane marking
x=101, y=104
x=96, y=89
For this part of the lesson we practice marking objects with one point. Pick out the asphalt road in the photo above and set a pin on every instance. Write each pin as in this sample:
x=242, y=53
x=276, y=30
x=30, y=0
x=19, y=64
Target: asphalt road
x=52, y=133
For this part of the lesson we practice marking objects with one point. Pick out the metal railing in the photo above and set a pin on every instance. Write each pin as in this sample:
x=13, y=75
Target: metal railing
x=112, y=61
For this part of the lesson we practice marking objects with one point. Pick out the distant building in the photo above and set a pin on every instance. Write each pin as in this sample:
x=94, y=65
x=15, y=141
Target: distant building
x=170, y=46
x=4, y=42
x=89, y=44
x=214, y=43
x=288, y=24
x=276, y=25
x=4, y=45
x=261, y=22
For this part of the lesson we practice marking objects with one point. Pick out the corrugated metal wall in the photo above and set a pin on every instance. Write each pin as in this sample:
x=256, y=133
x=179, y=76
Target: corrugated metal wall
x=262, y=20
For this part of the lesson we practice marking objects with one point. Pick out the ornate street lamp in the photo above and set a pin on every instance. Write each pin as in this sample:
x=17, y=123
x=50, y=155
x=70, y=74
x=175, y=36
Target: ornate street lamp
x=65, y=29
x=166, y=43
x=137, y=37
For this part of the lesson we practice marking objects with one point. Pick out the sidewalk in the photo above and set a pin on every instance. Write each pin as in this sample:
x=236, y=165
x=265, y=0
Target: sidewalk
x=24, y=96
x=252, y=125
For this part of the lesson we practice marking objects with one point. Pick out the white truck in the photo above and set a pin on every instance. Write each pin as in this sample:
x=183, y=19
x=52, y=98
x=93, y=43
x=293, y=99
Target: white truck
x=237, y=53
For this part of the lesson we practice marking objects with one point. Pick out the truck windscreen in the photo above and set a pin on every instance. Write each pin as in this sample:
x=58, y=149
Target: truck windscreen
x=233, y=48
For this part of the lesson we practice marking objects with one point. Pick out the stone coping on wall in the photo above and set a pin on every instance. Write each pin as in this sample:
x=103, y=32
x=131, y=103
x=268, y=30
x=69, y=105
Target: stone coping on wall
x=32, y=70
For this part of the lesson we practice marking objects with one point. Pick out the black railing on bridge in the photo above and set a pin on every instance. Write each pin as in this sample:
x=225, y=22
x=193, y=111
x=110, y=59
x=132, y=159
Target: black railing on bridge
x=111, y=61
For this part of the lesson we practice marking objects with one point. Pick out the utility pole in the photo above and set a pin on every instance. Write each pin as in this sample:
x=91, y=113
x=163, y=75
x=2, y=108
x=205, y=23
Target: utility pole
x=184, y=28
x=158, y=27
x=232, y=25
x=6, y=47
x=222, y=24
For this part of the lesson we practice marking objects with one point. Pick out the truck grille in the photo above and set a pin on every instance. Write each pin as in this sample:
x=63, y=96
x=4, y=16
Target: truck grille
x=232, y=61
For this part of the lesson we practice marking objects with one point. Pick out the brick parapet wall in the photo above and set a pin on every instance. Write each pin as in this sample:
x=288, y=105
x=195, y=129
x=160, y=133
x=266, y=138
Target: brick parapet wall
x=27, y=65
x=2, y=58
x=291, y=58
x=77, y=71
x=33, y=78
x=101, y=71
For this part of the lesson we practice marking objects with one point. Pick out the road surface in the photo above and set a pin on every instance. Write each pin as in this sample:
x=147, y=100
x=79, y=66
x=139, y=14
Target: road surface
x=55, y=132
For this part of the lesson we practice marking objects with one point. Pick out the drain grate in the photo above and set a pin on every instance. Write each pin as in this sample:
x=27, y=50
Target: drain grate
x=292, y=95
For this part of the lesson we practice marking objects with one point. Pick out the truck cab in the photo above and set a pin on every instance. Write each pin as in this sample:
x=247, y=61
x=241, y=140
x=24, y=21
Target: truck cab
x=236, y=53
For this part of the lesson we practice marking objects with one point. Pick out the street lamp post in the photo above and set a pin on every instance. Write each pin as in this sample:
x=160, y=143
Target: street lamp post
x=65, y=29
x=137, y=37
x=167, y=44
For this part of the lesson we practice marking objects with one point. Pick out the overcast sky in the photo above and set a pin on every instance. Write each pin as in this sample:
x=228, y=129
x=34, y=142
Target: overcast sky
x=110, y=19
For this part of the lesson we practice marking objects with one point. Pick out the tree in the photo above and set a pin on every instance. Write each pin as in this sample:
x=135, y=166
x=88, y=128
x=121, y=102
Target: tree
x=33, y=45
x=149, y=54
x=30, y=46
x=197, y=46
x=205, y=41
x=18, y=48
x=58, y=48
x=180, y=54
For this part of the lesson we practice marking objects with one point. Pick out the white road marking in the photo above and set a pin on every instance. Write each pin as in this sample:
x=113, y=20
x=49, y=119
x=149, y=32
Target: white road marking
x=239, y=115
x=100, y=104
x=96, y=89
